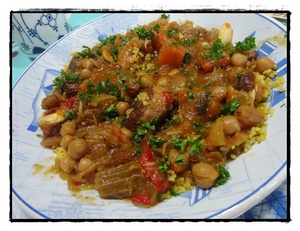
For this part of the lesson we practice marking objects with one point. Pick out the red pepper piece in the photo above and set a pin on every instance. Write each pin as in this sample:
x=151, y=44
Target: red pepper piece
x=70, y=102
x=169, y=98
x=148, y=161
x=51, y=110
x=140, y=199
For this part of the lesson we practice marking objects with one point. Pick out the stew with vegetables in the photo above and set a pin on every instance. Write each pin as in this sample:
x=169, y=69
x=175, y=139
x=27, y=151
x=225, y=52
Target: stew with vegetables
x=159, y=110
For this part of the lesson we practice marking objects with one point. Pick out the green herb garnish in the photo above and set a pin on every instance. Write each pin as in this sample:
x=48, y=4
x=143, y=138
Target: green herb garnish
x=66, y=78
x=179, y=143
x=87, y=52
x=108, y=40
x=223, y=177
x=156, y=142
x=69, y=115
x=143, y=129
x=171, y=32
x=165, y=16
x=247, y=44
x=164, y=166
x=196, y=146
x=217, y=49
x=110, y=113
x=229, y=108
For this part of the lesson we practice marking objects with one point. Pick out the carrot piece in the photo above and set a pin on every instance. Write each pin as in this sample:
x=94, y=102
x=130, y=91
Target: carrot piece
x=171, y=55
x=161, y=40
x=83, y=86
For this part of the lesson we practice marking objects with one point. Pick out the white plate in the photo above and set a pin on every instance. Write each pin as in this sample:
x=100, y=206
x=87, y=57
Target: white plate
x=254, y=175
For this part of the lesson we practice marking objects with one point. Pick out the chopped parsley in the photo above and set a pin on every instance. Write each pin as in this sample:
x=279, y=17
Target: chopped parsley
x=192, y=147
x=217, y=49
x=171, y=32
x=143, y=129
x=187, y=58
x=156, y=142
x=143, y=33
x=179, y=160
x=223, y=177
x=87, y=52
x=197, y=126
x=229, y=108
x=66, y=78
x=247, y=44
x=165, y=16
x=87, y=95
x=173, y=120
x=69, y=115
x=196, y=146
x=103, y=86
x=179, y=143
x=108, y=40
x=190, y=95
x=188, y=42
x=164, y=166
x=110, y=113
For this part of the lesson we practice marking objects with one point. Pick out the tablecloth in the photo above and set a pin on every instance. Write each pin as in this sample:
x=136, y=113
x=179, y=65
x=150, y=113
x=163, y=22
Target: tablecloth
x=274, y=206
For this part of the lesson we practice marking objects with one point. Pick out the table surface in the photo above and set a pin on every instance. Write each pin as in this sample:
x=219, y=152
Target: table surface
x=273, y=206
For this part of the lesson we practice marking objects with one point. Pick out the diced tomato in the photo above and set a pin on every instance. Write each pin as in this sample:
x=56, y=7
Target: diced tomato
x=169, y=98
x=141, y=199
x=225, y=61
x=171, y=55
x=46, y=132
x=51, y=110
x=77, y=183
x=206, y=65
x=148, y=161
x=70, y=102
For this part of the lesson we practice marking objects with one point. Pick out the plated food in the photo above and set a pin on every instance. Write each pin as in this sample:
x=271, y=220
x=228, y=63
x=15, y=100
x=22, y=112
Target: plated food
x=158, y=110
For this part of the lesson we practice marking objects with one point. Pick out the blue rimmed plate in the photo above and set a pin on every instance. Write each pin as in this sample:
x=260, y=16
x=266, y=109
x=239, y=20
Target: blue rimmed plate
x=254, y=175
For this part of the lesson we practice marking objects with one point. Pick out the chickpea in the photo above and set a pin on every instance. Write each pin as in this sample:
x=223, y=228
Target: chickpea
x=85, y=73
x=84, y=163
x=147, y=81
x=238, y=60
x=178, y=82
x=219, y=93
x=231, y=125
x=122, y=107
x=65, y=141
x=263, y=64
x=164, y=81
x=179, y=161
x=205, y=175
x=67, y=164
x=127, y=132
x=87, y=63
x=68, y=128
x=77, y=148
